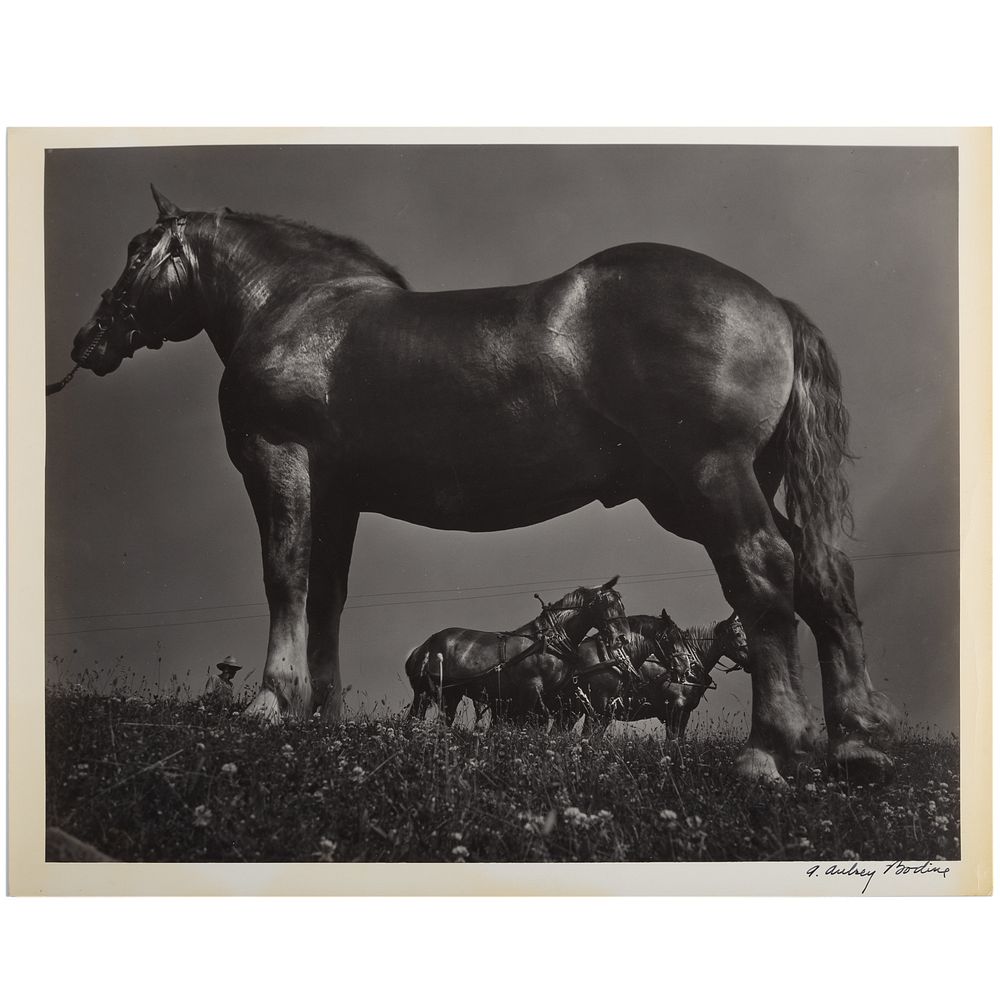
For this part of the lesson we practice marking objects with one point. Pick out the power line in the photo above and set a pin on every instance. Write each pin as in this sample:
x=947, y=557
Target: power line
x=350, y=607
x=625, y=578
x=637, y=579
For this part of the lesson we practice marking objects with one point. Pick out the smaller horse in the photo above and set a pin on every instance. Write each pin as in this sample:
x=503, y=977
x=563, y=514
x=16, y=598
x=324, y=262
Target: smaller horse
x=672, y=671
x=513, y=672
x=726, y=639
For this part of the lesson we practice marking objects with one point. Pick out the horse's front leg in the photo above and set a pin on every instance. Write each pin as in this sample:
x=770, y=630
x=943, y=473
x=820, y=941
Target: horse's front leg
x=277, y=479
x=333, y=530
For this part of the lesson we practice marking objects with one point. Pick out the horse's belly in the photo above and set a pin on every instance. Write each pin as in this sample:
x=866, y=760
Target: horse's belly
x=486, y=498
x=478, y=479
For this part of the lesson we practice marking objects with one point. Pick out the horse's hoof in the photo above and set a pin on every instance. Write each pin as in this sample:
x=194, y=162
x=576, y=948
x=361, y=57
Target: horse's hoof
x=861, y=764
x=330, y=713
x=264, y=708
x=756, y=766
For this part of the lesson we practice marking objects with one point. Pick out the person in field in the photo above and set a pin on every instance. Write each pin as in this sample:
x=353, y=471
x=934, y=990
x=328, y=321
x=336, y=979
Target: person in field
x=219, y=689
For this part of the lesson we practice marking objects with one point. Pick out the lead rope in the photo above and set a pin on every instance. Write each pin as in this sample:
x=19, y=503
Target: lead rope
x=53, y=387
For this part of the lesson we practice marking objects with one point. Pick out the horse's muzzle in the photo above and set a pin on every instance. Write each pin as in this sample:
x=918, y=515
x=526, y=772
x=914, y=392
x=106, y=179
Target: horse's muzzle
x=91, y=350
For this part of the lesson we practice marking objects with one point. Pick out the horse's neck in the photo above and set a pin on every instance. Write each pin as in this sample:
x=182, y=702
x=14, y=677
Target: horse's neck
x=708, y=645
x=244, y=269
x=571, y=620
x=575, y=624
x=639, y=647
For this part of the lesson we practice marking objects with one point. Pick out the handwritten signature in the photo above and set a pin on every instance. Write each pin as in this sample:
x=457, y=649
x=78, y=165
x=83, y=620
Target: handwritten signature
x=868, y=872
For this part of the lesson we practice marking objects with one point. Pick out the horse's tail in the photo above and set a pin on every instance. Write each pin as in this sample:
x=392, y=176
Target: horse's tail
x=813, y=432
x=416, y=663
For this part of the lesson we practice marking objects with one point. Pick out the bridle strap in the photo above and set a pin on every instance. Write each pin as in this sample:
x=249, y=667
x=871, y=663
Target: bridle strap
x=53, y=387
x=124, y=304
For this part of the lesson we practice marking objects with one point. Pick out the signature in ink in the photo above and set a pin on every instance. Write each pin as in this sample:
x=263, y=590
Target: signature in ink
x=868, y=872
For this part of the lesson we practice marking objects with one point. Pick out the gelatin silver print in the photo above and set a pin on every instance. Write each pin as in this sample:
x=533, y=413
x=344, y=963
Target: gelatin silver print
x=506, y=502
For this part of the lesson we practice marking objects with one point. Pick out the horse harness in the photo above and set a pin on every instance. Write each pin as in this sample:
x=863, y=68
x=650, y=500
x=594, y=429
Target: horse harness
x=636, y=686
x=123, y=301
x=553, y=640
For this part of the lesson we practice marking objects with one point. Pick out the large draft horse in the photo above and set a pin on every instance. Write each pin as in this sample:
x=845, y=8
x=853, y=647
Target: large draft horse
x=645, y=371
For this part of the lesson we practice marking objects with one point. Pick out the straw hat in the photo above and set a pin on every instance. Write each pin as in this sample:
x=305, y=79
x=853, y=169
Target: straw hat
x=228, y=664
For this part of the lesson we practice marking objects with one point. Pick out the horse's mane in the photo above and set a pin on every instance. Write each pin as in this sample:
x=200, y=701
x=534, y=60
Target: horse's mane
x=306, y=237
x=702, y=632
x=648, y=626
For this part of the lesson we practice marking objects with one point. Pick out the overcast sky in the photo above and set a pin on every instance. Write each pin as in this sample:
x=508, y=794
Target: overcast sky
x=152, y=552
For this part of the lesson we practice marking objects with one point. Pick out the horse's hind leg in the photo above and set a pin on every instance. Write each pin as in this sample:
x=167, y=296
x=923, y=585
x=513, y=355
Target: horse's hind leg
x=726, y=511
x=277, y=480
x=421, y=701
x=481, y=708
x=859, y=719
x=333, y=541
x=452, y=699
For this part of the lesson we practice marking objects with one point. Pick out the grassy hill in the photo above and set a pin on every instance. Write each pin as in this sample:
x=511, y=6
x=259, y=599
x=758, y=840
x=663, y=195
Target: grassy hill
x=169, y=779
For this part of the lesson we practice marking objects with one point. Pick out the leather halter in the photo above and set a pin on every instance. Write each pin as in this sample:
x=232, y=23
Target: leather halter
x=124, y=299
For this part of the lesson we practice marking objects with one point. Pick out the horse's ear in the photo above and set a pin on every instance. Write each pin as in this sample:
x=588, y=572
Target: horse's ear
x=665, y=617
x=166, y=208
x=610, y=584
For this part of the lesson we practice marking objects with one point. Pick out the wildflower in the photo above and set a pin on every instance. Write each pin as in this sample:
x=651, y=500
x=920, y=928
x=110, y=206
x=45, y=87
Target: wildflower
x=665, y=761
x=850, y=855
x=288, y=749
x=357, y=773
x=932, y=806
x=669, y=815
x=810, y=787
x=327, y=848
x=200, y=747
x=550, y=754
x=460, y=852
x=457, y=835
x=228, y=768
x=202, y=815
